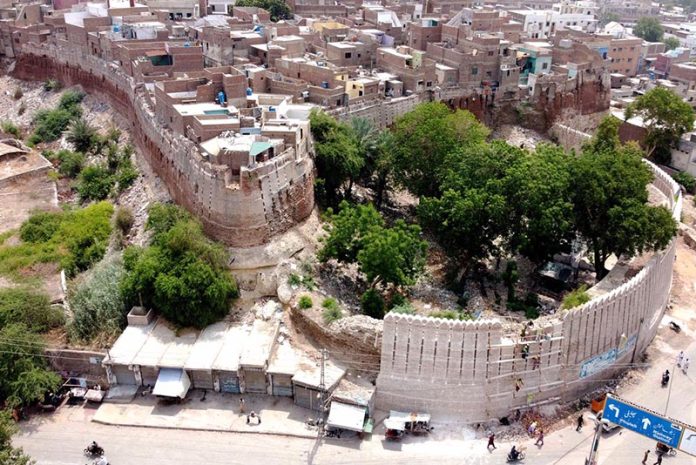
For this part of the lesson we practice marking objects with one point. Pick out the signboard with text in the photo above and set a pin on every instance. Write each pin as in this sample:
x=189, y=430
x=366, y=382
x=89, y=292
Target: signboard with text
x=642, y=421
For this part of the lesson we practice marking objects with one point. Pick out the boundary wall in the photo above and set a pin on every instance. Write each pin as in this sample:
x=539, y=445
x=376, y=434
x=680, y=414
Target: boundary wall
x=474, y=371
x=240, y=211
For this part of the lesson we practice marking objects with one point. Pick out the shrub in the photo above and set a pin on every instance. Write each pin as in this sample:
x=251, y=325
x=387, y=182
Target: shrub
x=163, y=216
x=40, y=227
x=372, y=304
x=332, y=314
x=95, y=183
x=124, y=219
x=18, y=93
x=294, y=280
x=81, y=135
x=329, y=303
x=397, y=300
x=29, y=307
x=576, y=298
x=405, y=309
x=126, y=175
x=70, y=101
x=51, y=85
x=85, y=233
x=8, y=127
x=71, y=163
x=49, y=125
x=446, y=314
x=97, y=304
x=686, y=180
x=22, y=109
x=305, y=302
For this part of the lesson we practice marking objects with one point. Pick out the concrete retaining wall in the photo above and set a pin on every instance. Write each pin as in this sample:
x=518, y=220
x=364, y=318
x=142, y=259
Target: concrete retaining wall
x=475, y=371
x=83, y=363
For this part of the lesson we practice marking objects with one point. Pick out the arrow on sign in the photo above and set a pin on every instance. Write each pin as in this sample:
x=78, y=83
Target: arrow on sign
x=646, y=423
x=614, y=409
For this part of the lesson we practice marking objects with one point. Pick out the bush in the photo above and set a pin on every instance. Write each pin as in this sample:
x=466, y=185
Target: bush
x=29, y=307
x=8, y=127
x=97, y=304
x=85, y=233
x=51, y=85
x=95, y=183
x=71, y=163
x=18, y=93
x=49, y=125
x=446, y=314
x=182, y=274
x=22, y=109
x=81, y=135
x=124, y=219
x=405, y=309
x=397, y=300
x=332, y=314
x=576, y=298
x=686, y=180
x=330, y=303
x=305, y=302
x=40, y=227
x=126, y=175
x=372, y=304
x=70, y=101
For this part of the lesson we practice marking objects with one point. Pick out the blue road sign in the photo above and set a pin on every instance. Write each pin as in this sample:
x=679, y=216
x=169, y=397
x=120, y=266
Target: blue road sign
x=642, y=421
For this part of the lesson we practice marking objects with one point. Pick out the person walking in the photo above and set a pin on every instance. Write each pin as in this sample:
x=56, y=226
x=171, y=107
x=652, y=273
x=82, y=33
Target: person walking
x=540, y=440
x=645, y=457
x=659, y=460
x=680, y=358
x=685, y=365
x=491, y=442
x=532, y=428
x=581, y=423
x=242, y=405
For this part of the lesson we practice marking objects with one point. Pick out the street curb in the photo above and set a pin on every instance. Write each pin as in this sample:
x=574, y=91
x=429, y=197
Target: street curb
x=212, y=430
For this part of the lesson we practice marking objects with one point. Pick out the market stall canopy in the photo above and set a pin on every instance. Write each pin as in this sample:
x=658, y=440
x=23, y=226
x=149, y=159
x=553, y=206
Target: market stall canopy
x=412, y=417
x=348, y=417
x=172, y=382
x=395, y=424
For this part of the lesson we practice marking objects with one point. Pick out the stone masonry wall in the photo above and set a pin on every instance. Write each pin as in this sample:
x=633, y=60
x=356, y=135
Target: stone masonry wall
x=474, y=371
x=240, y=212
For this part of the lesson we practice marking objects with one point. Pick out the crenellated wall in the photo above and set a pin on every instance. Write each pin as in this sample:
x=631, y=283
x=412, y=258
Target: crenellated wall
x=475, y=371
x=241, y=211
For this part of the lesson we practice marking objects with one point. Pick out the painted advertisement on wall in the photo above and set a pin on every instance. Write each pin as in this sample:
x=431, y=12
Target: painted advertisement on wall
x=594, y=365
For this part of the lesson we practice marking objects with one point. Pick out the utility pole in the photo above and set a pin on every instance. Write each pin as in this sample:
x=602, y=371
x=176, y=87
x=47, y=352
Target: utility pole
x=322, y=390
x=592, y=458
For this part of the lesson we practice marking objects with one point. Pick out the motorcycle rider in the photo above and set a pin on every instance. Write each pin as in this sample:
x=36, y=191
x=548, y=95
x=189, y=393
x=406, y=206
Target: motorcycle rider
x=93, y=448
x=514, y=453
x=665, y=378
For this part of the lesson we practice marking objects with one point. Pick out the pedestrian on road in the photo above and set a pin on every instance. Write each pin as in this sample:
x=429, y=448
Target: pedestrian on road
x=659, y=460
x=685, y=366
x=491, y=441
x=680, y=358
x=581, y=423
x=645, y=457
x=532, y=428
x=242, y=404
x=540, y=440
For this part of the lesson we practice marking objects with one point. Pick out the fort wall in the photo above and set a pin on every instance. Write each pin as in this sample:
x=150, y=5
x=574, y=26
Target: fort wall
x=475, y=371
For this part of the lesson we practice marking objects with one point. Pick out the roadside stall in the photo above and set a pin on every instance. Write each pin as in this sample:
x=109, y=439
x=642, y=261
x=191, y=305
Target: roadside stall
x=394, y=429
x=346, y=417
x=413, y=423
x=172, y=384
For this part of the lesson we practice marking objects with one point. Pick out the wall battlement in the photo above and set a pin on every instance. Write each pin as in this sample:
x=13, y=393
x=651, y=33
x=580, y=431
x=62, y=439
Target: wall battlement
x=240, y=212
x=475, y=371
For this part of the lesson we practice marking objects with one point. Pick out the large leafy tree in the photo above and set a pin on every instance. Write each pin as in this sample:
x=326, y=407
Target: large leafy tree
x=10, y=455
x=347, y=231
x=610, y=201
x=423, y=139
x=337, y=155
x=473, y=211
x=666, y=118
x=23, y=375
x=182, y=274
x=671, y=43
x=649, y=28
x=537, y=187
x=277, y=8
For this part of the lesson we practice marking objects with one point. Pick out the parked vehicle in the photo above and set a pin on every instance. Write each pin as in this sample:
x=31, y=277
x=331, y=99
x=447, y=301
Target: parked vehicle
x=400, y=423
x=664, y=449
x=94, y=450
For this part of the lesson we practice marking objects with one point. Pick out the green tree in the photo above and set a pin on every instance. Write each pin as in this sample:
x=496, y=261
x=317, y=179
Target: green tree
x=182, y=274
x=649, y=28
x=10, y=455
x=278, y=9
x=337, y=156
x=393, y=256
x=608, y=17
x=81, y=135
x=666, y=118
x=610, y=203
x=423, y=139
x=372, y=304
x=383, y=165
x=538, y=189
x=671, y=43
x=347, y=231
x=23, y=375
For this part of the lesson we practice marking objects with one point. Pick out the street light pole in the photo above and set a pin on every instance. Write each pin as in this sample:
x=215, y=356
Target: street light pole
x=592, y=458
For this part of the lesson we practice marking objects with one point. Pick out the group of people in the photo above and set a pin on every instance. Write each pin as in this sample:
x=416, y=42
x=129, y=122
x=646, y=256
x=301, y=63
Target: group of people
x=683, y=362
x=515, y=453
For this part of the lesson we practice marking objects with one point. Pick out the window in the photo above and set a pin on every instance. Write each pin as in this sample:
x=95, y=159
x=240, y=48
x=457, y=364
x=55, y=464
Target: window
x=544, y=65
x=429, y=84
x=212, y=7
x=348, y=55
x=630, y=60
x=489, y=74
x=620, y=49
x=474, y=70
x=490, y=53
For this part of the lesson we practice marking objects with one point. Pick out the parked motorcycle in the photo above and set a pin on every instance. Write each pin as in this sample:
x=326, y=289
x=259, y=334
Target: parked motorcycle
x=94, y=450
x=665, y=378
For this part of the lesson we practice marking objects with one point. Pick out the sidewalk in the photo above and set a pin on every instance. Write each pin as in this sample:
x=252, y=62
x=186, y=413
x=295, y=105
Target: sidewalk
x=219, y=412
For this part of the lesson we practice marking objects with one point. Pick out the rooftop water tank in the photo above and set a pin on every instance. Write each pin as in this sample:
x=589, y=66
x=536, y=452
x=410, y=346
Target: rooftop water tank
x=249, y=91
x=221, y=97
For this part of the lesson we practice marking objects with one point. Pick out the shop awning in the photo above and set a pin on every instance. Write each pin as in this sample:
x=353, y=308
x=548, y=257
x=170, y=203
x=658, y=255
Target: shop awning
x=172, y=382
x=345, y=416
